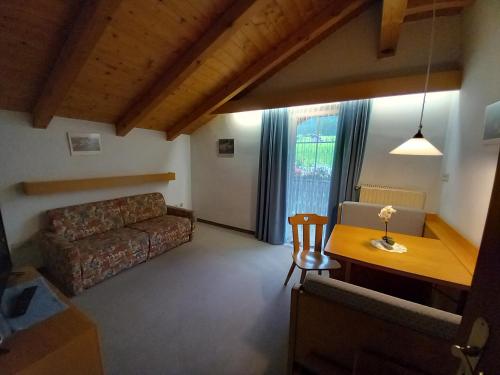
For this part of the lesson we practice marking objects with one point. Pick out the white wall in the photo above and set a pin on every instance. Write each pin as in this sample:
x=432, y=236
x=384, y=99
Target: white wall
x=350, y=53
x=28, y=154
x=224, y=189
x=471, y=164
x=395, y=119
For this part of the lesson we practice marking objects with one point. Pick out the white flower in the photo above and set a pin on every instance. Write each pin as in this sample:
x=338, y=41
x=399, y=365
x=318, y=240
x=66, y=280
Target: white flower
x=386, y=213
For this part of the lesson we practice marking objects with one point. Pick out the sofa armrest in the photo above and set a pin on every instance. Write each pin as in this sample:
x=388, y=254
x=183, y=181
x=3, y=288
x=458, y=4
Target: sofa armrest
x=421, y=318
x=62, y=260
x=183, y=212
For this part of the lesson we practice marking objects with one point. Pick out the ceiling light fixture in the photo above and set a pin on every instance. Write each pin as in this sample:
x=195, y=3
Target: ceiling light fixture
x=418, y=145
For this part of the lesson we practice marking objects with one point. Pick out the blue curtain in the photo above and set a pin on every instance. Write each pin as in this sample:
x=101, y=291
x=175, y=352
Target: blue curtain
x=350, y=144
x=271, y=198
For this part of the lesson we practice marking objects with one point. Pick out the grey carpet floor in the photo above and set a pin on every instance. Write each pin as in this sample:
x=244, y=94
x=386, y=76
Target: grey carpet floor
x=216, y=305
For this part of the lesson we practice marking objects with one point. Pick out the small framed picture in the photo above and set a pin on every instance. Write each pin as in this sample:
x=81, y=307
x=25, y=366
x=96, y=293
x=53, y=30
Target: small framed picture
x=84, y=143
x=226, y=146
x=492, y=124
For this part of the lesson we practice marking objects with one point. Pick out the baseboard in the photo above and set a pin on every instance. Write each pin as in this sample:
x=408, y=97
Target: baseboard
x=226, y=226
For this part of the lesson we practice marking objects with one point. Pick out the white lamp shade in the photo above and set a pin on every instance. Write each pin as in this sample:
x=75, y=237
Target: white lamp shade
x=417, y=146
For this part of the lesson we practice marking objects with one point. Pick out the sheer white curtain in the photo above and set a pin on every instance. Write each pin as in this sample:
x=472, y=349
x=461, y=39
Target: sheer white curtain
x=312, y=133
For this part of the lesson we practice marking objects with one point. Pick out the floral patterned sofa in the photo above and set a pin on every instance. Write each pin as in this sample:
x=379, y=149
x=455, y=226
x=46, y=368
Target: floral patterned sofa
x=87, y=243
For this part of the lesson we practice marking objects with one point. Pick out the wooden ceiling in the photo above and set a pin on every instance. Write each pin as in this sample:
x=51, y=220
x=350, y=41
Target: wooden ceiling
x=161, y=64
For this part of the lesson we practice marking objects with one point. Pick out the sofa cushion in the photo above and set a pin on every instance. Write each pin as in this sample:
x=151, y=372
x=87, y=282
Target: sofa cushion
x=405, y=220
x=165, y=232
x=83, y=220
x=142, y=207
x=105, y=254
x=167, y=228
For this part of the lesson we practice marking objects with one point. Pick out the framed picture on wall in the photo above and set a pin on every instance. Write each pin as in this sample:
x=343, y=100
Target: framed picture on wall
x=226, y=146
x=492, y=124
x=84, y=143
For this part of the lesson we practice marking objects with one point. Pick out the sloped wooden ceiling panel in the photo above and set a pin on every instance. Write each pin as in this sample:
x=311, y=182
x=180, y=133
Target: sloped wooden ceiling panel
x=263, y=32
x=31, y=34
x=331, y=15
x=143, y=39
x=157, y=64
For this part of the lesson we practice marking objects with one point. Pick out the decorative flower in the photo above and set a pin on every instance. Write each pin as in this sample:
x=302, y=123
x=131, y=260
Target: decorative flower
x=386, y=213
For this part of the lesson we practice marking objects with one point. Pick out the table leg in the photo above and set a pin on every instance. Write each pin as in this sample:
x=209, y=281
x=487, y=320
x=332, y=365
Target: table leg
x=347, y=277
x=461, y=302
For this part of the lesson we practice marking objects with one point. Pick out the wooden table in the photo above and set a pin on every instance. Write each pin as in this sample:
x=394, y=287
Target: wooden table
x=426, y=259
x=65, y=343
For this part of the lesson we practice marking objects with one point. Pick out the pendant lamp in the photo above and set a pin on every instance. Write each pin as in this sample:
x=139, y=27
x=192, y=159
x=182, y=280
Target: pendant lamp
x=418, y=145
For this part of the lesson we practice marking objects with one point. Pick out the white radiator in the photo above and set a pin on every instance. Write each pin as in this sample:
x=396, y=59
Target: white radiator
x=393, y=196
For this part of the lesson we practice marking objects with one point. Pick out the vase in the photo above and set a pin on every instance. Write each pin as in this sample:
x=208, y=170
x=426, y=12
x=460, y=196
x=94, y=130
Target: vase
x=386, y=238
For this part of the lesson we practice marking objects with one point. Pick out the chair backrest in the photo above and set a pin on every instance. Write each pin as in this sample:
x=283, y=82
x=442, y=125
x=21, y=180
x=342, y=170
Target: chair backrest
x=306, y=220
x=406, y=220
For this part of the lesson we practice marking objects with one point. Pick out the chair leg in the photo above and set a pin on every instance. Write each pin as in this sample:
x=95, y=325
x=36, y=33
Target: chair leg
x=290, y=273
x=303, y=276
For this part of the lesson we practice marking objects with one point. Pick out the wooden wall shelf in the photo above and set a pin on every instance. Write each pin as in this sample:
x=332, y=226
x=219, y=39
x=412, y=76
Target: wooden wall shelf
x=60, y=186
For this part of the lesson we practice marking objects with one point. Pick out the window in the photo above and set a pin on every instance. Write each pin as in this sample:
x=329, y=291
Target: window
x=311, y=151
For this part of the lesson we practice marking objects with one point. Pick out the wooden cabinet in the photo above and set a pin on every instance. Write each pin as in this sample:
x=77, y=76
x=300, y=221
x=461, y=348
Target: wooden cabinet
x=66, y=343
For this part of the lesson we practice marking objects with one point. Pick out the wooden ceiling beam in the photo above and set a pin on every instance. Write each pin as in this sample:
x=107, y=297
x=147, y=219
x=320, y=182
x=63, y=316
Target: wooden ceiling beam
x=223, y=28
x=393, y=14
x=327, y=20
x=366, y=89
x=83, y=37
x=396, y=12
x=420, y=9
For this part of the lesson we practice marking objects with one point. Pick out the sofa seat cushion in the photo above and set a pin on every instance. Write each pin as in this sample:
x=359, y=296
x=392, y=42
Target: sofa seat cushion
x=165, y=232
x=104, y=255
x=142, y=207
x=84, y=220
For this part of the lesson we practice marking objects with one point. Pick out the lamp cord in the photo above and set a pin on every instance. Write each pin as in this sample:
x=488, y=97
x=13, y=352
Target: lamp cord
x=429, y=60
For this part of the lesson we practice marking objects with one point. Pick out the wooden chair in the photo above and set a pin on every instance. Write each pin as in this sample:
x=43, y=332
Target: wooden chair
x=306, y=259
